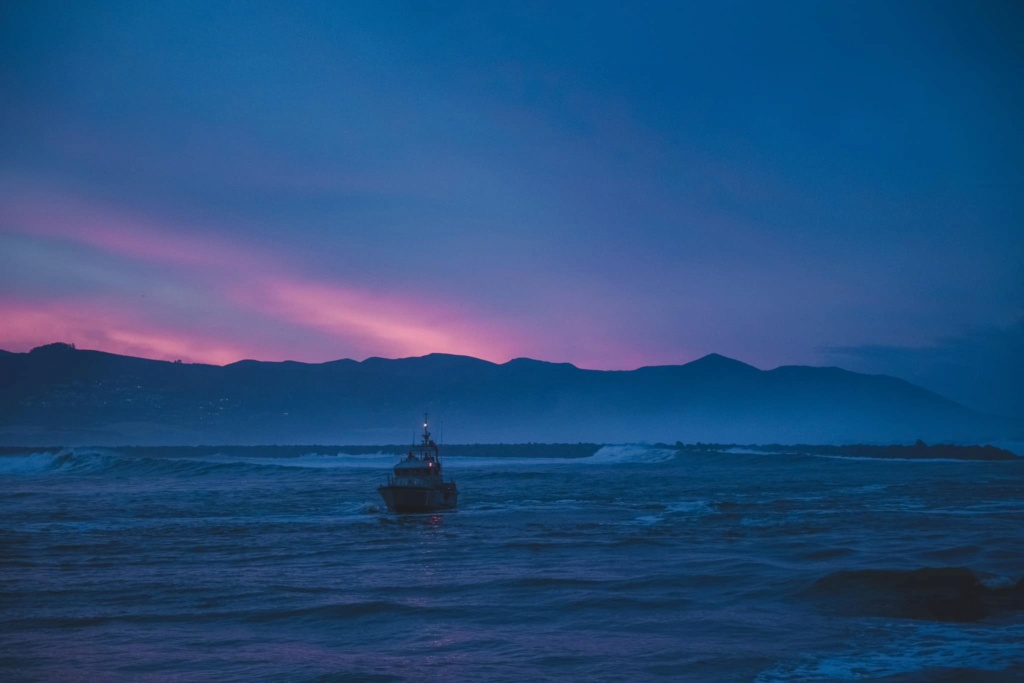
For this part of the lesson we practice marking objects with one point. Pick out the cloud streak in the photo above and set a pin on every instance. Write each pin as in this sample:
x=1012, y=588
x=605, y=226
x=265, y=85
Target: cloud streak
x=264, y=289
x=114, y=329
x=396, y=324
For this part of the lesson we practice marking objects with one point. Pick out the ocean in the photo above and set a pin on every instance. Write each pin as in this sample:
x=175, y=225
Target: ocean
x=635, y=563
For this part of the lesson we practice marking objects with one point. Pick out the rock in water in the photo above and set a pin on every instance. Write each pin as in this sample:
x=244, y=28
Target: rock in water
x=933, y=593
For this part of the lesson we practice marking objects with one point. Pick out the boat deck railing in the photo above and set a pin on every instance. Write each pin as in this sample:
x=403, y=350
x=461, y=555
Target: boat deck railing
x=407, y=481
x=415, y=481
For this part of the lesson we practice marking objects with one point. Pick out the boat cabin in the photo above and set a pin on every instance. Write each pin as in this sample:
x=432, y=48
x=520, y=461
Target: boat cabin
x=413, y=466
x=421, y=461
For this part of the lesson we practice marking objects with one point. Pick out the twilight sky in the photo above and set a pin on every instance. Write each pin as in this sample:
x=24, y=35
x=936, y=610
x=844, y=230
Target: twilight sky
x=608, y=184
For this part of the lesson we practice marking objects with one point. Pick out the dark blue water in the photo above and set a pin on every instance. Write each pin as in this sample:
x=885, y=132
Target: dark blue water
x=635, y=564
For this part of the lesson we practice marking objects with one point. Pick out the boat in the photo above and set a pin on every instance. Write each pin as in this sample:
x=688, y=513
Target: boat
x=417, y=484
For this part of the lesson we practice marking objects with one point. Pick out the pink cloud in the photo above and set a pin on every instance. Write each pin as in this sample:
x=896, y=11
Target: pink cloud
x=389, y=323
x=260, y=286
x=277, y=312
x=112, y=230
x=88, y=325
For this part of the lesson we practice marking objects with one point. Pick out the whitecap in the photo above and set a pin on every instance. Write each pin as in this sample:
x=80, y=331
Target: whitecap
x=699, y=507
x=907, y=649
x=630, y=453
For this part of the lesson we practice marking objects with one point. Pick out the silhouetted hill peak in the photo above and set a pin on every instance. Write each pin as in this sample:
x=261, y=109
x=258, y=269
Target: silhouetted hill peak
x=250, y=363
x=718, y=362
x=530, y=363
x=58, y=393
x=431, y=362
x=54, y=348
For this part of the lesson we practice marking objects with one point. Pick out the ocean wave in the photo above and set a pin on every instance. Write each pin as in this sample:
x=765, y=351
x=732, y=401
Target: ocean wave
x=910, y=649
x=696, y=507
x=89, y=460
x=338, y=611
x=309, y=460
x=868, y=458
x=614, y=455
x=619, y=454
x=66, y=460
x=325, y=613
x=686, y=509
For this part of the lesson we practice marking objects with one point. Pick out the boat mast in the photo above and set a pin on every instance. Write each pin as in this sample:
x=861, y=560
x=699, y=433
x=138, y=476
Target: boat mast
x=427, y=443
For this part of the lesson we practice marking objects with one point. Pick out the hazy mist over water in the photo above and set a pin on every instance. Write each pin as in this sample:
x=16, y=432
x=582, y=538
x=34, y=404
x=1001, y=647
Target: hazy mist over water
x=635, y=563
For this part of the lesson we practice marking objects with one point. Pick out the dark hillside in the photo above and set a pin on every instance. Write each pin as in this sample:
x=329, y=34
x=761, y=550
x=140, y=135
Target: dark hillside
x=58, y=394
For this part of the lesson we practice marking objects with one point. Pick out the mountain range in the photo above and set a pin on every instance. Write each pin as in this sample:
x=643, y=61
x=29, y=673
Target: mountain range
x=59, y=395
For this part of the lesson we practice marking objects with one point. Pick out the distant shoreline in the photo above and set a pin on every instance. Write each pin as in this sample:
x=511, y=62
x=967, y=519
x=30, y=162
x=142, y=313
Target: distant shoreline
x=918, y=451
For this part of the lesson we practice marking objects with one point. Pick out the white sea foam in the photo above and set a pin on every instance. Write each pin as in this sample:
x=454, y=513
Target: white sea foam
x=67, y=460
x=630, y=453
x=908, y=649
x=83, y=460
x=648, y=520
x=606, y=455
x=678, y=510
x=864, y=458
x=996, y=581
x=34, y=463
x=693, y=507
x=91, y=460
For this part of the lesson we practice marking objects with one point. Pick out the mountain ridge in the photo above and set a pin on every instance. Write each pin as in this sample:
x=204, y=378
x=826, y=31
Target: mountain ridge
x=96, y=398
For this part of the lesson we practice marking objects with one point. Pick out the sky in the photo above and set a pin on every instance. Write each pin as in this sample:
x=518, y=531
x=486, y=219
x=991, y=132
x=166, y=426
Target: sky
x=611, y=184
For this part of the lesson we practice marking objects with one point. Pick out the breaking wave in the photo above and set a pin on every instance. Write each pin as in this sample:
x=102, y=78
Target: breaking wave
x=914, y=649
x=67, y=460
x=612, y=455
x=606, y=455
x=93, y=460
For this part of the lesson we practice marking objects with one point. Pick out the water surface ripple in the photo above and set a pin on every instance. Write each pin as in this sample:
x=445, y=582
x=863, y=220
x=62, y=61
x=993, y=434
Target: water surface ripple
x=634, y=564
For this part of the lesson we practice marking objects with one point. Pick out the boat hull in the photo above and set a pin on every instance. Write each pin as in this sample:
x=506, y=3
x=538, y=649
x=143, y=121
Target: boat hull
x=412, y=499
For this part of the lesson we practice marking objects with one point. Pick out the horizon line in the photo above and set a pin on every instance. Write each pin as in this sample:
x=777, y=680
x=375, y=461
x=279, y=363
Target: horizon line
x=712, y=355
